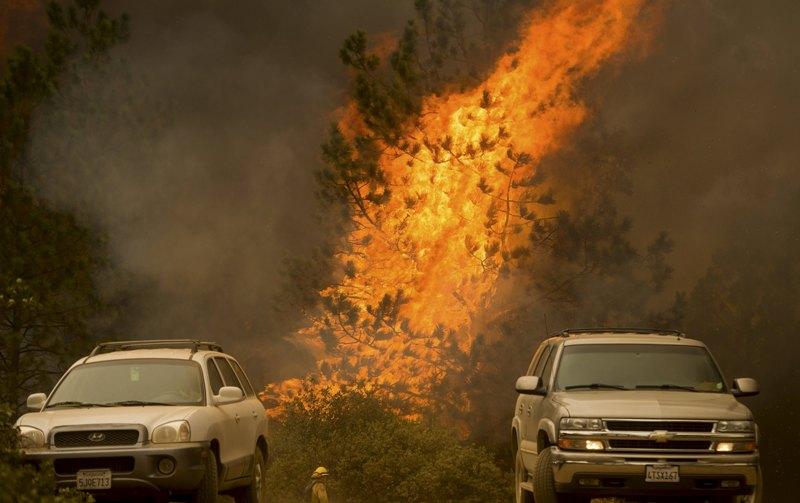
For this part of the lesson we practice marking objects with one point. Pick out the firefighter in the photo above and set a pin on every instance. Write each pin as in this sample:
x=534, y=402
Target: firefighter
x=316, y=488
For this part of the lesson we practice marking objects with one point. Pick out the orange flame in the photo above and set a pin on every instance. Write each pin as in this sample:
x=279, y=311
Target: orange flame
x=464, y=192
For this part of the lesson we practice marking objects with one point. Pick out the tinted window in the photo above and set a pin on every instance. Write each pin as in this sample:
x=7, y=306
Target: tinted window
x=131, y=382
x=227, y=373
x=540, y=365
x=537, y=355
x=214, y=379
x=639, y=366
x=548, y=367
x=243, y=378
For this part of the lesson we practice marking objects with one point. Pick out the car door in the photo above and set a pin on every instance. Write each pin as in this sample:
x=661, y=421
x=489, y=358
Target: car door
x=525, y=405
x=541, y=405
x=242, y=448
x=533, y=402
x=257, y=418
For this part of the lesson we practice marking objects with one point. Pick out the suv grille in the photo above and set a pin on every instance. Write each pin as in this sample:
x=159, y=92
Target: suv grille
x=70, y=466
x=681, y=426
x=694, y=445
x=95, y=438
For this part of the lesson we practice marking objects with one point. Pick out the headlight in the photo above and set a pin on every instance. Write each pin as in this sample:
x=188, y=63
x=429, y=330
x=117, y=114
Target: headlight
x=30, y=437
x=575, y=444
x=172, y=432
x=581, y=424
x=736, y=427
x=735, y=447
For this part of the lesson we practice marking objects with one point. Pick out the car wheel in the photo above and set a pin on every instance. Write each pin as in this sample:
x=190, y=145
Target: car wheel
x=544, y=484
x=520, y=477
x=256, y=492
x=207, y=491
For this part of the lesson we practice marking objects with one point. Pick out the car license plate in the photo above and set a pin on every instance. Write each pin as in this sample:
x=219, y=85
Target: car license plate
x=662, y=473
x=93, y=479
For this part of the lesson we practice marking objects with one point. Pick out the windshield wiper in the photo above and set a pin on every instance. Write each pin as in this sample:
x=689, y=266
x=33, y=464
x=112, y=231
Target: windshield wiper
x=667, y=386
x=133, y=403
x=596, y=385
x=73, y=403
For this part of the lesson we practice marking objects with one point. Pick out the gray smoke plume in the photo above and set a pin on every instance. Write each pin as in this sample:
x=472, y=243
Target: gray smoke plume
x=194, y=152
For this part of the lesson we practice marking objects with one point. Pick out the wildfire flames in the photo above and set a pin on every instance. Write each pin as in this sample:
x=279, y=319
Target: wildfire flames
x=465, y=193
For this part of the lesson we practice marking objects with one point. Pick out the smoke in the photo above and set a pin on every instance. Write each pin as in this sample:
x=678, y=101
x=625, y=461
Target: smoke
x=707, y=122
x=193, y=151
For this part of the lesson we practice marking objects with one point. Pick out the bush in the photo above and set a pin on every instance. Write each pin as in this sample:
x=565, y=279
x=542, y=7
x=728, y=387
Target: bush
x=25, y=483
x=375, y=455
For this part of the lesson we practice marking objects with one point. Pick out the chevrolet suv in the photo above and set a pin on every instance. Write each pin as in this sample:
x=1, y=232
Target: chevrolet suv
x=634, y=414
x=170, y=418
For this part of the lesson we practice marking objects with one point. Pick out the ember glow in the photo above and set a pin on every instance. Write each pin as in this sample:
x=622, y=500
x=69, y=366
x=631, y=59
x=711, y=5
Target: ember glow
x=421, y=268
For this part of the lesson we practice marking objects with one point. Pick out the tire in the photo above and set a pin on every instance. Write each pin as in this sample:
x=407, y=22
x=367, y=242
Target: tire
x=520, y=476
x=544, y=484
x=207, y=491
x=256, y=491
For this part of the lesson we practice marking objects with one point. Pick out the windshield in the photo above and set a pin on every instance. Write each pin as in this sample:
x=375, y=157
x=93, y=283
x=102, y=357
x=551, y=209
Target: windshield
x=638, y=366
x=130, y=383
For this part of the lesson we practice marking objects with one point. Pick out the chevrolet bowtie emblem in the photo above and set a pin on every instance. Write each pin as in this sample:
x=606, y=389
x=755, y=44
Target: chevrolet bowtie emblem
x=661, y=436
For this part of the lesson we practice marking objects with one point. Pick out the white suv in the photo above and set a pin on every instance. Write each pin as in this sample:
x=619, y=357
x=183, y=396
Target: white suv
x=178, y=418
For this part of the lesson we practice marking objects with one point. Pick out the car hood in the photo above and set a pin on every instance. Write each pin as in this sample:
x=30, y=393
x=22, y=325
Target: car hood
x=652, y=405
x=149, y=416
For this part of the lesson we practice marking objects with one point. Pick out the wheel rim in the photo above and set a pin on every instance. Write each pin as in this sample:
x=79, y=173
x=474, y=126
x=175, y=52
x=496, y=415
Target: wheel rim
x=257, y=481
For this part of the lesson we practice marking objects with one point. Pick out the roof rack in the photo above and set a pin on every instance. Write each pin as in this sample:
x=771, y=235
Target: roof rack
x=191, y=344
x=618, y=330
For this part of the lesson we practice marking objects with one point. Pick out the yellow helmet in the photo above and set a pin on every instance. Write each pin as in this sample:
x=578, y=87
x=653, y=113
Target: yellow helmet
x=320, y=472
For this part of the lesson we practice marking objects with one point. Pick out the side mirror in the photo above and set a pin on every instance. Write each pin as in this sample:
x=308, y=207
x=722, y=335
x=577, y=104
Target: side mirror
x=228, y=394
x=529, y=385
x=36, y=401
x=744, y=386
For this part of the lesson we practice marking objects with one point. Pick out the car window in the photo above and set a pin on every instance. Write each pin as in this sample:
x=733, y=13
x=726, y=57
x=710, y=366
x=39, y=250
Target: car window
x=228, y=374
x=537, y=355
x=540, y=365
x=214, y=379
x=639, y=366
x=548, y=367
x=131, y=382
x=243, y=378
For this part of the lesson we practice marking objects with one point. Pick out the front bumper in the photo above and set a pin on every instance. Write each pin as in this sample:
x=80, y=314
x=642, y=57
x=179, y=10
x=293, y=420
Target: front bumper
x=623, y=474
x=132, y=468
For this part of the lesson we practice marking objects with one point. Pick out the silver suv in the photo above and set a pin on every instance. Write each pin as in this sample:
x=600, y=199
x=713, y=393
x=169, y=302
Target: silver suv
x=634, y=414
x=175, y=417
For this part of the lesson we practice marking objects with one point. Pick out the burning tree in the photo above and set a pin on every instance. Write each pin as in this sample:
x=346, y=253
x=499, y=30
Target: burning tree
x=441, y=193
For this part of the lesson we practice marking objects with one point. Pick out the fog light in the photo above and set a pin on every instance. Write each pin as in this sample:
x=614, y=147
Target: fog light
x=594, y=445
x=166, y=466
x=589, y=482
x=730, y=483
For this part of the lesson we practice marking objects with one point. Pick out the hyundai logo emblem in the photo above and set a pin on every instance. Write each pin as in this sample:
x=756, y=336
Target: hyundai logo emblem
x=97, y=436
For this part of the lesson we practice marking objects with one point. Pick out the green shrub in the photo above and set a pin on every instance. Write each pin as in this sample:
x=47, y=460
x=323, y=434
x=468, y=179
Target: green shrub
x=375, y=455
x=25, y=483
